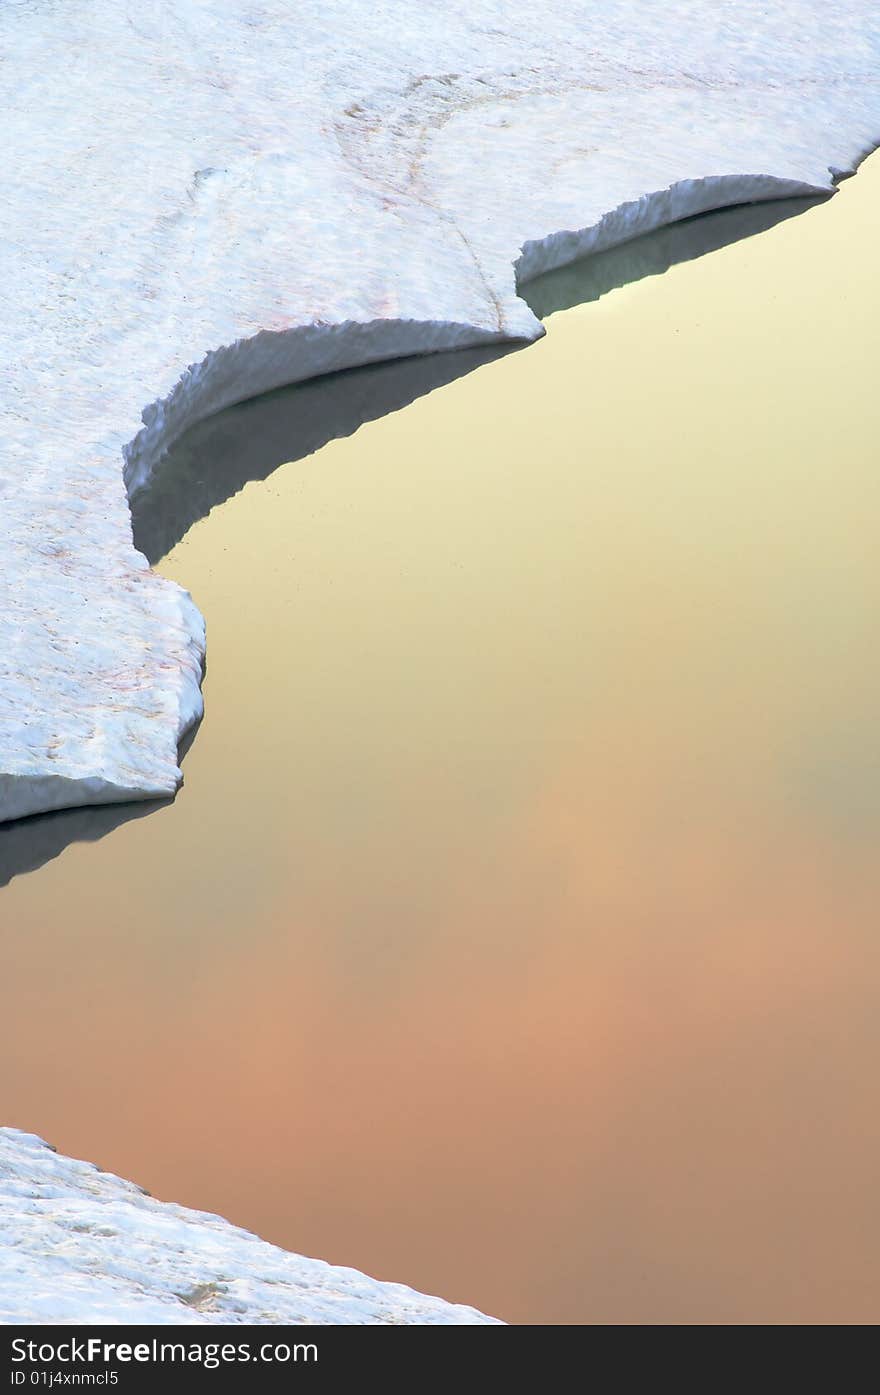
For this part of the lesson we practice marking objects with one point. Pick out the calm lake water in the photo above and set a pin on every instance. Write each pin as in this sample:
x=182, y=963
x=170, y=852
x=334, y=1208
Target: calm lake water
x=517, y=932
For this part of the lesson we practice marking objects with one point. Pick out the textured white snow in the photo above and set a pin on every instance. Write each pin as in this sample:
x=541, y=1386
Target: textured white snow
x=83, y=1246
x=267, y=190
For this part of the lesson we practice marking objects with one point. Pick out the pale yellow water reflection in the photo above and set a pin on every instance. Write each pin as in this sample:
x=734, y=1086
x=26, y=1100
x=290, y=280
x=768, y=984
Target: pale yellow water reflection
x=516, y=933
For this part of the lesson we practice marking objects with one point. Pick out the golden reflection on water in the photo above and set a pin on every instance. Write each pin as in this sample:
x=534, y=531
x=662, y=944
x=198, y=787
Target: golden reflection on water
x=516, y=934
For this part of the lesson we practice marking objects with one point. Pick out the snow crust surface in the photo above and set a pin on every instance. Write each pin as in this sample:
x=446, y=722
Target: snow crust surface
x=206, y=199
x=82, y=1246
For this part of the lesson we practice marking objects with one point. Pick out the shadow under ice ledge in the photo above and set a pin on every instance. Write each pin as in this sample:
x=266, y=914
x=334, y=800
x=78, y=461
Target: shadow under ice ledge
x=28, y=844
x=591, y=277
x=217, y=457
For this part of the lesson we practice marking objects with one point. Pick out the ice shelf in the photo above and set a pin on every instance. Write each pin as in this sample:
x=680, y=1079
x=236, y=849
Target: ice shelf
x=206, y=199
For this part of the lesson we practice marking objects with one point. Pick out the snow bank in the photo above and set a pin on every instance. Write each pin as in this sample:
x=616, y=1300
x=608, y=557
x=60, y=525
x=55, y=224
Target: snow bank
x=82, y=1246
x=267, y=191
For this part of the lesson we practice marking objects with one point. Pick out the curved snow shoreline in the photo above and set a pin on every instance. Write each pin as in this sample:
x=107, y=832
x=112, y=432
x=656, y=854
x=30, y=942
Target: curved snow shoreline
x=248, y=368
x=83, y=1246
x=686, y=199
x=385, y=203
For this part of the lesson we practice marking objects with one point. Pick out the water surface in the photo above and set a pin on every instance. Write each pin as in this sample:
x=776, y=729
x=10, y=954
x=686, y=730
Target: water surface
x=516, y=932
